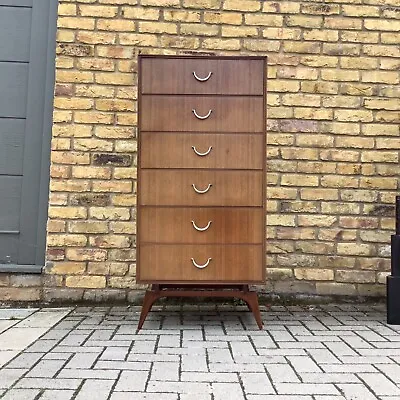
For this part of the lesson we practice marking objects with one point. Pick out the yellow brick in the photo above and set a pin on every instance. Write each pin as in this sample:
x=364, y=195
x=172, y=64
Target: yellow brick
x=135, y=39
x=239, y=5
x=297, y=73
x=180, y=42
x=312, y=113
x=309, y=167
x=320, y=9
x=91, y=172
x=98, y=11
x=349, y=169
x=198, y=29
x=123, y=146
x=299, y=206
x=65, y=62
x=343, y=23
x=381, y=50
x=239, y=31
x=314, y=141
x=299, y=180
x=301, y=99
x=230, y=18
x=321, y=35
x=319, y=87
x=58, y=199
x=66, y=36
x=136, y=13
x=354, y=115
x=387, y=116
x=334, y=288
x=76, y=23
x=301, y=47
x=115, y=51
x=160, y=27
x=60, y=144
x=263, y=19
x=356, y=89
x=112, y=186
x=123, y=227
x=162, y=3
x=305, y=22
x=56, y=226
x=300, y=154
x=69, y=185
x=127, y=119
x=314, y=274
x=317, y=220
x=70, y=268
x=360, y=11
x=67, y=212
x=378, y=183
x=221, y=44
x=354, y=249
x=94, y=91
x=70, y=157
x=93, y=118
x=181, y=16
x=319, y=194
x=92, y=145
x=87, y=227
x=122, y=282
x=359, y=63
x=380, y=156
x=74, y=76
x=125, y=173
x=73, y=103
x=339, y=75
x=67, y=9
x=319, y=61
x=339, y=181
x=66, y=240
x=282, y=33
x=375, y=236
x=299, y=233
x=280, y=112
x=380, y=77
x=109, y=213
x=387, y=143
x=279, y=274
x=110, y=241
x=381, y=24
x=99, y=64
x=281, y=193
x=340, y=208
x=85, y=282
x=283, y=86
x=116, y=25
x=281, y=220
x=340, y=128
x=342, y=49
x=364, y=196
x=359, y=37
x=115, y=105
x=382, y=104
x=96, y=37
x=114, y=78
x=390, y=38
x=262, y=45
x=125, y=200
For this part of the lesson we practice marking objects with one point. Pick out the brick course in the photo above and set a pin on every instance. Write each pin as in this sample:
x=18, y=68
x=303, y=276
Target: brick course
x=333, y=135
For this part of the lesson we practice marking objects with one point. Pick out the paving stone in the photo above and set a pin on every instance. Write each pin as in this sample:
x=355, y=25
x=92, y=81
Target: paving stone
x=146, y=396
x=329, y=378
x=132, y=381
x=41, y=346
x=18, y=338
x=256, y=383
x=340, y=349
x=219, y=355
x=88, y=373
x=18, y=394
x=5, y=324
x=303, y=364
x=165, y=371
x=25, y=360
x=82, y=360
x=45, y=383
x=57, y=356
x=9, y=376
x=194, y=363
x=306, y=388
x=348, y=368
x=379, y=384
x=283, y=373
x=166, y=341
x=44, y=319
x=209, y=377
x=242, y=349
x=100, y=389
x=277, y=397
x=179, y=387
x=57, y=394
x=222, y=390
x=115, y=353
x=323, y=356
x=45, y=369
x=16, y=313
x=355, y=391
x=123, y=365
x=6, y=356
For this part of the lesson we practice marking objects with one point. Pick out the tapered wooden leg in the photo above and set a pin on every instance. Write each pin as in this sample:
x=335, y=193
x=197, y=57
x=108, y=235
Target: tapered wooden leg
x=149, y=298
x=251, y=299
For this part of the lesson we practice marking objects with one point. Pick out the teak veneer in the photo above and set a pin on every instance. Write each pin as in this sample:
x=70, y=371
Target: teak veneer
x=201, y=177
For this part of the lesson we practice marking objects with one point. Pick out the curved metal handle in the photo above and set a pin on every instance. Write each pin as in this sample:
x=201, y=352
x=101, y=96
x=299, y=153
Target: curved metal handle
x=201, y=191
x=199, y=265
x=202, y=79
x=201, y=229
x=201, y=116
x=202, y=154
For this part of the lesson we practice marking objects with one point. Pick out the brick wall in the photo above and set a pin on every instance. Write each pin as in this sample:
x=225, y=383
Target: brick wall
x=333, y=136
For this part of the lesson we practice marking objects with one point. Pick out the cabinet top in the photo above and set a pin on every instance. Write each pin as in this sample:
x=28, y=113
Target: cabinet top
x=205, y=56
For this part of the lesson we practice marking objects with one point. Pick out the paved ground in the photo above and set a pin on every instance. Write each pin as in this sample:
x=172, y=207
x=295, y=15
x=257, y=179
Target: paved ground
x=202, y=352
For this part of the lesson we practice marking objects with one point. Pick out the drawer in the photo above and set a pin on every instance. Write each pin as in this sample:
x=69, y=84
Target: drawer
x=196, y=150
x=200, y=188
x=219, y=263
x=214, y=114
x=202, y=76
x=201, y=225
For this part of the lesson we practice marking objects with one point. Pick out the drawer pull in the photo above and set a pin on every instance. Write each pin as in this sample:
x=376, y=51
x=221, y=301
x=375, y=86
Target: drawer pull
x=202, y=79
x=202, y=116
x=201, y=191
x=201, y=229
x=202, y=154
x=199, y=265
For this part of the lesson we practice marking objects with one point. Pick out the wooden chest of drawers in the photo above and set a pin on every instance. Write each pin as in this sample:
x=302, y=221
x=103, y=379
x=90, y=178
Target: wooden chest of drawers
x=201, y=175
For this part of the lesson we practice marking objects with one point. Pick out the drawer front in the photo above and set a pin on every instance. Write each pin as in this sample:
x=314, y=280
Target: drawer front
x=201, y=225
x=178, y=76
x=214, y=114
x=211, y=188
x=237, y=263
x=194, y=150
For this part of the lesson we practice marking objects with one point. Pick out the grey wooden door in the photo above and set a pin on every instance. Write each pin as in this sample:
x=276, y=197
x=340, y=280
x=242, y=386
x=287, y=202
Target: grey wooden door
x=27, y=41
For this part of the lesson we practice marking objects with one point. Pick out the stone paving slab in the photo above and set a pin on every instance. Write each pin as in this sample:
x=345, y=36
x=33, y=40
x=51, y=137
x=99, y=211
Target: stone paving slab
x=210, y=352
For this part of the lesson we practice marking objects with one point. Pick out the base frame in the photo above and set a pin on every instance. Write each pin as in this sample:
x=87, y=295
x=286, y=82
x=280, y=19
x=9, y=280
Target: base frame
x=236, y=291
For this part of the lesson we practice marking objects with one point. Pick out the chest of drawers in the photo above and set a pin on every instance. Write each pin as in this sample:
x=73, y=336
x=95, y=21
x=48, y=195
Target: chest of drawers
x=201, y=174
